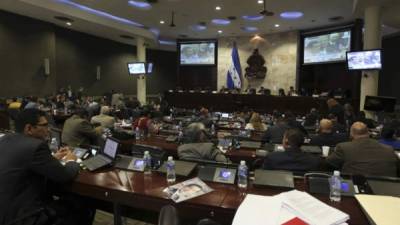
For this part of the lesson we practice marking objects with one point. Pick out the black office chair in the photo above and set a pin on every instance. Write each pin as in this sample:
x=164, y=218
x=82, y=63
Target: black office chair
x=207, y=222
x=168, y=216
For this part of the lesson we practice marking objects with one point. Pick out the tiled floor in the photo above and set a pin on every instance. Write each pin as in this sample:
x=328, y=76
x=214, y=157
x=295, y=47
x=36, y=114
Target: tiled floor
x=105, y=218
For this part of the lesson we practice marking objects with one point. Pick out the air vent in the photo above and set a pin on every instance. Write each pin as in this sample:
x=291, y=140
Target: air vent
x=335, y=18
x=126, y=37
x=231, y=17
x=64, y=19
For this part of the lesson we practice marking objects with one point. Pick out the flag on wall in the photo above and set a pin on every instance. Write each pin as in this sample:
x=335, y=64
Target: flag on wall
x=234, y=76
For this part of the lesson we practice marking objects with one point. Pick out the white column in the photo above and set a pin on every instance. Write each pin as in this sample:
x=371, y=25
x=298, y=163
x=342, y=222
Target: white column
x=372, y=40
x=141, y=82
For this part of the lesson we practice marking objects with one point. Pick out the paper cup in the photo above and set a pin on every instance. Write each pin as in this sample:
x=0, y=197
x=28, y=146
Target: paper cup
x=325, y=151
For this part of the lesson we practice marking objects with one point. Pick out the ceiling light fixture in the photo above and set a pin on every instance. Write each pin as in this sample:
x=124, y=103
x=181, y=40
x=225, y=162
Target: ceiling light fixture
x=253, y=17
x=249, y=29
x=277, y=25
x=260, y=1
x=291, y=15
x=218, y=8
x=220, y=32
x=68, y=23
x=221, y=21
x=162, y=21
x=139, y=4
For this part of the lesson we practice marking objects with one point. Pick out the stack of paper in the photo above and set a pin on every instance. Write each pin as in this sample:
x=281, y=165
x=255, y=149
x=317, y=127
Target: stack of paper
x=382, y=210
x=289, y=208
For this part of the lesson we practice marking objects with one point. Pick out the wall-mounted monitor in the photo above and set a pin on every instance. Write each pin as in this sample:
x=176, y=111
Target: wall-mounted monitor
x=379, y=103
x=136, y=68
x=197, y=52
x=326, y=48
x=364, y=60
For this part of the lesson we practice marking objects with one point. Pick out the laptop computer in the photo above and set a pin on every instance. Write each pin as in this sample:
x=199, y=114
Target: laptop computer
x=383, y=187
x=182, y=168
x=250, y=144
x=217, y=174
x=105, y=158
x=273, y=178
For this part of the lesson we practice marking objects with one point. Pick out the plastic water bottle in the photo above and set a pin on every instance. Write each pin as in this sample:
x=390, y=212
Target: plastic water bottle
x=147, y=161
x=180, y=136
x=171, y=177
x=335, y=183
x=242, y=175
x=212, y=129
x=137, y=133
x=53, y=145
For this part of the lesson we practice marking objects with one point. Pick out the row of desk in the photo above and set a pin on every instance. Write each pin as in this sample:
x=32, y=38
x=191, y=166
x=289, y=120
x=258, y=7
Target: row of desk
x=236, y=102
x=145, y=192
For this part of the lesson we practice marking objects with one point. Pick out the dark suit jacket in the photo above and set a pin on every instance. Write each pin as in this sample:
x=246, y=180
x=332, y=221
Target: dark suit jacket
x=275, y=133
x=328, y=139
x=365, y=156
x=291, y=159
x=25, y=165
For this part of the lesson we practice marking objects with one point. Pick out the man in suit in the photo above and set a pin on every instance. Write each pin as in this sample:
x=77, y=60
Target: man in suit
x=78, y=131
x=363, y=155
x=326, y=137
x=104, y=119
x=292, y=158
x=26, y=167
x=275, y=133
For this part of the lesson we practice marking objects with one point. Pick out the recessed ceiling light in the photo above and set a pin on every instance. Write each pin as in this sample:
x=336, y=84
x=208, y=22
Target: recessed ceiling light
x=218, y=8
x=253, y=17
x=198, y=27
x=139, y=4
x=260, y=1
x=277, y=25
x=220, y=32
x=68, y=23
x=291, y=15
x=249, y=29
x=221, y=21
x=162, y=21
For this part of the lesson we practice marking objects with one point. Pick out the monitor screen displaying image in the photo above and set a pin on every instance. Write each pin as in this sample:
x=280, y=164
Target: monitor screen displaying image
x=364, y=60
x=149, y=67
x=136, y=68
x=331, y=47
x=197, y=53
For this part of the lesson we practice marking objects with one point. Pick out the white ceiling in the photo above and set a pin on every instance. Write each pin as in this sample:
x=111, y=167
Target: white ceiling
x=191, y=12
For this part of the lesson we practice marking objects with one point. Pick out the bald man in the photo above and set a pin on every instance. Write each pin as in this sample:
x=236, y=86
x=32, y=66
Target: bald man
x=326, y=136
x=363, y=155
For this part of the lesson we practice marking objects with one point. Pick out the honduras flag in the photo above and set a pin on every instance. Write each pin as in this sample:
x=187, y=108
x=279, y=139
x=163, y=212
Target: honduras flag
x=234, y=76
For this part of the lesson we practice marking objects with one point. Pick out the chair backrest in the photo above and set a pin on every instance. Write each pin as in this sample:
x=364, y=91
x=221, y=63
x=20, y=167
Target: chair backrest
x=4, y=120
x=168, y=216
x=207, y=222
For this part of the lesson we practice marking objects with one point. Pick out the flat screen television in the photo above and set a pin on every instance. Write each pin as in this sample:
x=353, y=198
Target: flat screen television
x=379, y=103
x=136, y=68
x=325, y=48
x=364, y=60
x=197, y=52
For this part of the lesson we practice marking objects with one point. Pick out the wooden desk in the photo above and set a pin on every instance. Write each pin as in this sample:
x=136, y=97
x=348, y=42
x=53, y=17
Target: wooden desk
x=134, y=189
x=249, y=155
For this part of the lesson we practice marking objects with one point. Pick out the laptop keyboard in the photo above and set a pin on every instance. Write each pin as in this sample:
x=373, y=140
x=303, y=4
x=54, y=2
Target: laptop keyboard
x=96, y=162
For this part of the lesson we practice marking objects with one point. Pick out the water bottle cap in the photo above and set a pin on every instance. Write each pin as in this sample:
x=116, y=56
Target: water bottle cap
x=146, y=152
x=242, y=162
x=170, y=158
x=336, y=173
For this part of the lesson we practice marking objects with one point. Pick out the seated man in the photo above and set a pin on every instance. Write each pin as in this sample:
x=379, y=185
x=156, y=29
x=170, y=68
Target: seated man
x=326, y=137
x=363, y=155
x=26, y=167
x=292, y=158
x=78, y=131
x=275, y=133
x=388, y=137
x=197, y=146
x=104, y=119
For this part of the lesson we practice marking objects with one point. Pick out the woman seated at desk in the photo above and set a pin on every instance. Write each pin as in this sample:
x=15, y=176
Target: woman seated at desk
x=255, y=123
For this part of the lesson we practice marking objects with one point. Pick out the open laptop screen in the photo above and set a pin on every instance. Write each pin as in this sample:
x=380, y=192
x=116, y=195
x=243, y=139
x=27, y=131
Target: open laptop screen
x=110, y=148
